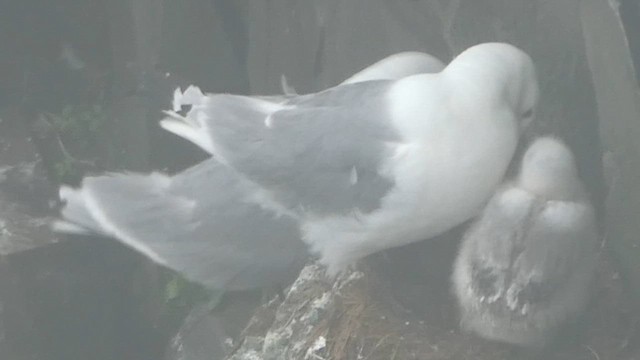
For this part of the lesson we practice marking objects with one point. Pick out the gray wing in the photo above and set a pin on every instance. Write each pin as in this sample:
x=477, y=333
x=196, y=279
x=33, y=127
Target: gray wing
x=196, y=222
x=318, y=152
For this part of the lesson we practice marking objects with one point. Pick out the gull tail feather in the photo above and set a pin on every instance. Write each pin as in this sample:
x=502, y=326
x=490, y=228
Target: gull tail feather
x=135, y=209
x=197, y=222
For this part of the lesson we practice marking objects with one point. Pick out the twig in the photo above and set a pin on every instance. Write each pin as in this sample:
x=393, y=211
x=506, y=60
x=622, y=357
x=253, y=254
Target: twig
x=593, y=352
x=376, y=346
x=395, y=352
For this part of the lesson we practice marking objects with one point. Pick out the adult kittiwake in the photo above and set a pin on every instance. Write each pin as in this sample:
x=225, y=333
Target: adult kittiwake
x=358, y=168
x=524, y=268
x=372, y=165
x=204, y=222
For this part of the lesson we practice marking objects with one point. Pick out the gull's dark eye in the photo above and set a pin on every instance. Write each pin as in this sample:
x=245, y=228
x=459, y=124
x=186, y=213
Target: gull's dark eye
x=527, y=114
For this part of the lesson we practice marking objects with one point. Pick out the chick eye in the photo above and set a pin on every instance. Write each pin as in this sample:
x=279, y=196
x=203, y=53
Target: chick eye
x=527, y=114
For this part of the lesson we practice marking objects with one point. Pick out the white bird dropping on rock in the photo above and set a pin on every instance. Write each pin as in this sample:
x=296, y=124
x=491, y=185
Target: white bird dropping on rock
x=525, y=267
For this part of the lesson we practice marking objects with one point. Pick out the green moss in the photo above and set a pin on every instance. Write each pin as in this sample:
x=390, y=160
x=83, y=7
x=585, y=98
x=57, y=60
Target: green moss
x=64, y=170
x=79, y=127
x=180, y=293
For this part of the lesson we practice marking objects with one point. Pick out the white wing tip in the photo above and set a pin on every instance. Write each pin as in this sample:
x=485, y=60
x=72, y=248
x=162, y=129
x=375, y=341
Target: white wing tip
x=192, y=95
x=177, y=99
x=287, y=89
x=188, y=131
x=65, y=227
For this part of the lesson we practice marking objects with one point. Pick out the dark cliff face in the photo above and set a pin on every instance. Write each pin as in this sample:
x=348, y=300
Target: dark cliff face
x=60, y=297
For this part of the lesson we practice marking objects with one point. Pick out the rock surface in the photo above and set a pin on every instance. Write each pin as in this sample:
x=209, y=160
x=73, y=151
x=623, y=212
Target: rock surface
x=301, y=322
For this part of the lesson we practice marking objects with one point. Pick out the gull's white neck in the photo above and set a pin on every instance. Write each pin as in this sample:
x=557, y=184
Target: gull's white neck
x=454, y=150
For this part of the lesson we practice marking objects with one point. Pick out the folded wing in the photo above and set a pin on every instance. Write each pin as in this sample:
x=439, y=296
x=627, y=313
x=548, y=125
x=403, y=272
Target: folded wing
x=195, y=222
x=320, y=153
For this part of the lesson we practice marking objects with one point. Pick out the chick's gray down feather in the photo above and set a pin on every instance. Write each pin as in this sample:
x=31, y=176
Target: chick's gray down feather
x=525, y=266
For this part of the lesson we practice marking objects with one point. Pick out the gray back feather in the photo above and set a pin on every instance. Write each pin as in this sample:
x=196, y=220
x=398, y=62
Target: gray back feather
x=308, y=155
